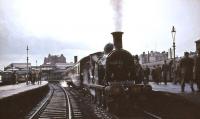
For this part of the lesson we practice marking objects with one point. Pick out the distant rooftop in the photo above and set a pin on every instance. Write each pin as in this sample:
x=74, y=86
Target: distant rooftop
x=17, y=66
x=53, y=59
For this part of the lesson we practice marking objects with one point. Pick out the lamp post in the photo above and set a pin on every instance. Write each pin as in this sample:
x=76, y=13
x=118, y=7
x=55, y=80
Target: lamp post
x=173, y=37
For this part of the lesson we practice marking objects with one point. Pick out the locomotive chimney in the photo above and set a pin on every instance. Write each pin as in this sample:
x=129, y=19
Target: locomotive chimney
x=75, y=59
x=117, y=39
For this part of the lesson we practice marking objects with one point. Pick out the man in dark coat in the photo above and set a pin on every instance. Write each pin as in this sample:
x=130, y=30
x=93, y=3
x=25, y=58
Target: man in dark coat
x=186, y=66
x=197, y=65
x=14, y=77
x=138, y=71
x=153, y=74
x=146, y=75
x=39, y=77
x=158, y=74
x=197, y=71
x=165, y=70
x=170, y=69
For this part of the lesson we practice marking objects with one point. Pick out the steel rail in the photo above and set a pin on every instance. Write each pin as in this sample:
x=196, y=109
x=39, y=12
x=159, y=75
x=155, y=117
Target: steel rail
x=70, y=112
x=153, y=116
x=42, y=106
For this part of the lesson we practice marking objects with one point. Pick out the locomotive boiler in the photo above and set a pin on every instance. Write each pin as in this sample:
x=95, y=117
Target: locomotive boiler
x=109, y=76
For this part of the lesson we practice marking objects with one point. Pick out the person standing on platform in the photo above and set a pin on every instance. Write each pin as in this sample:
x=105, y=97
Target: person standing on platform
x=186, y=65
x=29, y=76
x=39, y=77
x=33, y=77
x=177, y=73
x=158, y=73
x=165, y=72
x=170, y=70
x=146, y=75
x=197, y=65
x=14, y=77
x=138, y=71
x=153, y=74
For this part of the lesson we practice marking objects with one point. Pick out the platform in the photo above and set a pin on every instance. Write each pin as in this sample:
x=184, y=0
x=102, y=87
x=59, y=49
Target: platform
x=19, y=99
x=10, y=90
x=176, y=89
x=172, y=88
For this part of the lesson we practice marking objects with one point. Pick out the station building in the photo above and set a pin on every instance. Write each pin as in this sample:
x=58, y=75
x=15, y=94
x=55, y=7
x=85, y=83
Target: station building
x=17, y=67
x=55, y=66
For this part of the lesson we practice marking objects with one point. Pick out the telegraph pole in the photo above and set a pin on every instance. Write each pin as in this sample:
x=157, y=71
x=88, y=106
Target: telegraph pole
x=27, y=66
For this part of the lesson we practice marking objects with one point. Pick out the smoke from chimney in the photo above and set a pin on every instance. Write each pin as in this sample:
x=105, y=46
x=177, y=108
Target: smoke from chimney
x=117, y=7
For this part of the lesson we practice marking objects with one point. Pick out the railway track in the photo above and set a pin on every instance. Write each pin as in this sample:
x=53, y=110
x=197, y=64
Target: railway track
x=61, y=103
x=68, y=103
x=55, y=105
x=88, y=109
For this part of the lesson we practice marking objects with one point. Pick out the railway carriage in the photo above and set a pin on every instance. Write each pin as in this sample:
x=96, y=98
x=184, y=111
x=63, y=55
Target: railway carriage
x=7, y=78
x=10, y=77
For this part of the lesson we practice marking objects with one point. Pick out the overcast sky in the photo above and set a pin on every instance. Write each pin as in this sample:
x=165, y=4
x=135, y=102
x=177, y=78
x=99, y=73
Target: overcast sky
x=81, y=27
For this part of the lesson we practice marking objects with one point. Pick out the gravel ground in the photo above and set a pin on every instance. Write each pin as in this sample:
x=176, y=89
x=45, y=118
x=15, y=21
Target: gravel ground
x=173, y=106
x=193, y=97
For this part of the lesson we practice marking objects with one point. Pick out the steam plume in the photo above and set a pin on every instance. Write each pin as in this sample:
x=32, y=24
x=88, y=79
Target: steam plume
x=117, y=7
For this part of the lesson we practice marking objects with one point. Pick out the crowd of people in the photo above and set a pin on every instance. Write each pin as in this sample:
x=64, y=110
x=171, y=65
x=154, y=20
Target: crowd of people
x=185, y=70
x=33, y=76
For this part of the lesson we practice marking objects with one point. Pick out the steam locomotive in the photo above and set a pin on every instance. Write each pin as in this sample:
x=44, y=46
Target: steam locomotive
x=108, y=76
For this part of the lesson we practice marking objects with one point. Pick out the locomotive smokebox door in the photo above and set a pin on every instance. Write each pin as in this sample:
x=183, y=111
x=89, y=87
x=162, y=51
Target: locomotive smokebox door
x=197, y=45
x=117, y=39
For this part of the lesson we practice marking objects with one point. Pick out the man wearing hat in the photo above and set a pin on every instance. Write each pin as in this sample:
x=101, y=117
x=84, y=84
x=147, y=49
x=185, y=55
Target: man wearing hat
x=139, y=74
x=197, y=65
x=186, y=65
